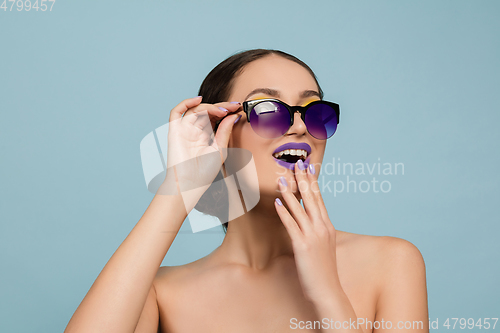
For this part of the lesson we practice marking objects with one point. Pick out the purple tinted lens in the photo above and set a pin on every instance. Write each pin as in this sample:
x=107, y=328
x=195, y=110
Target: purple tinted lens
x=270, y=119
x=321, y=121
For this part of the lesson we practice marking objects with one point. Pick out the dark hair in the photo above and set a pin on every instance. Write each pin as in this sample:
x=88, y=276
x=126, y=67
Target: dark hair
x=215, y=88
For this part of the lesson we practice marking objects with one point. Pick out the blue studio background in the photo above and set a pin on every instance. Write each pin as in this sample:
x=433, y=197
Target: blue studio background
x=81, y=85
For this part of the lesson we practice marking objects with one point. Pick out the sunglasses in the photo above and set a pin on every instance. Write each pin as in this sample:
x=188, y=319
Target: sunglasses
x=272, y=118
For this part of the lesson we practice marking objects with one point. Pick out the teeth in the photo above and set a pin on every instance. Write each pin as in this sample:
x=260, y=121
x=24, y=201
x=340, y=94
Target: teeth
x=295, y=152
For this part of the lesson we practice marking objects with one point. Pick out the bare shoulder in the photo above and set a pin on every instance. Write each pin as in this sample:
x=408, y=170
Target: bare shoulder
x=178, y=275
x=392, y=268
x=385, y=254
x=201, y=277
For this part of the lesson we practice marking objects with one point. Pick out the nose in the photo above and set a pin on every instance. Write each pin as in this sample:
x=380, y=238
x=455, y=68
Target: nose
x=298, y=127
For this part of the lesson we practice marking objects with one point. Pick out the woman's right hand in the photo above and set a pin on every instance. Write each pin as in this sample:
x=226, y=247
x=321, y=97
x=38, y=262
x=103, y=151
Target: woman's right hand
x=123, y=296
x=197, y=158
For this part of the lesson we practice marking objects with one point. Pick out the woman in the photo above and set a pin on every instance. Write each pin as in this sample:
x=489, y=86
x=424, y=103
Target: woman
x=281, y=267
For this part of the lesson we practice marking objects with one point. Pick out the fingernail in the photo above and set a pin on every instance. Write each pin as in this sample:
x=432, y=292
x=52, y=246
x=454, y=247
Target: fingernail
x=235, y=102
x=312, y=170
x=237, y=119
x=283, y=181
x=278, y=201
x=300, y=164
x=222, y=109
x=196, y=97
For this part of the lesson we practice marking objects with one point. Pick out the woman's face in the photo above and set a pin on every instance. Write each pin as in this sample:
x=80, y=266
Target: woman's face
x=275, y=77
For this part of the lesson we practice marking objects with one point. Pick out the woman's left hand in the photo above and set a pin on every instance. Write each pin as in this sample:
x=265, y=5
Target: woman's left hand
x=313, y=235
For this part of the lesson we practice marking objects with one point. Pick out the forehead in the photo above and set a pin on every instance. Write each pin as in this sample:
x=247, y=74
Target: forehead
x=274, y=72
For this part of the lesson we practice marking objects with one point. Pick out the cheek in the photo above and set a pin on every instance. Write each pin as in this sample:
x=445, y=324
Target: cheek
x=319, y=150
x=267, y=169
x=240, y=136
x=245, y=137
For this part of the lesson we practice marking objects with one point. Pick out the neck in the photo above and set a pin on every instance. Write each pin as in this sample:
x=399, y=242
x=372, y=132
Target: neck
x=257, y=237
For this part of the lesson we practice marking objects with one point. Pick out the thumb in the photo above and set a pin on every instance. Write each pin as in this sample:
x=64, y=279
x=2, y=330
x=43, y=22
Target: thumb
x=224, y=131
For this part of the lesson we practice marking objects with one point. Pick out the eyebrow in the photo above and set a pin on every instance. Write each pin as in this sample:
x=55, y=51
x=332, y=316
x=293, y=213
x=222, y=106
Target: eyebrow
x=276, y=93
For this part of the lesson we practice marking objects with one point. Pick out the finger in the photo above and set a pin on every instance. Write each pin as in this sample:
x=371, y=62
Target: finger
x=294, y=206
x=230, y=106
x=313, y=178
x=198, y=120
x=202, y=120
x=216, y=112
x=219, y=110
x=224, y=131
x=183, y=106
x=211, y=109
x=308, y=197
x=287, y=220
x=197, y=126
x=191, y=118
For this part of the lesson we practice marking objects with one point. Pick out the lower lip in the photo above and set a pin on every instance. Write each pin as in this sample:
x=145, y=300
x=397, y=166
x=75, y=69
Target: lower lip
x=290, y=166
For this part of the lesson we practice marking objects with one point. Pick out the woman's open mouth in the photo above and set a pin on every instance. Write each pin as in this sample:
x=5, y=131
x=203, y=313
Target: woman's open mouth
x=288, y=154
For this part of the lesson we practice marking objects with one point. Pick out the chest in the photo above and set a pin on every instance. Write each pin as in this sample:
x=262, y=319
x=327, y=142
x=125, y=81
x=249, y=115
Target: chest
x=237, y=306
x=243, y=303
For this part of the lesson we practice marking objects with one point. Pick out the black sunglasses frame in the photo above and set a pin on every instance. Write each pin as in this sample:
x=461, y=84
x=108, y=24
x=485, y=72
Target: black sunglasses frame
x=249, y=105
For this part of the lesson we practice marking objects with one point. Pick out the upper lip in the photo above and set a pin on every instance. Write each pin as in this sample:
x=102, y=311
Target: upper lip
x=294, y=145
